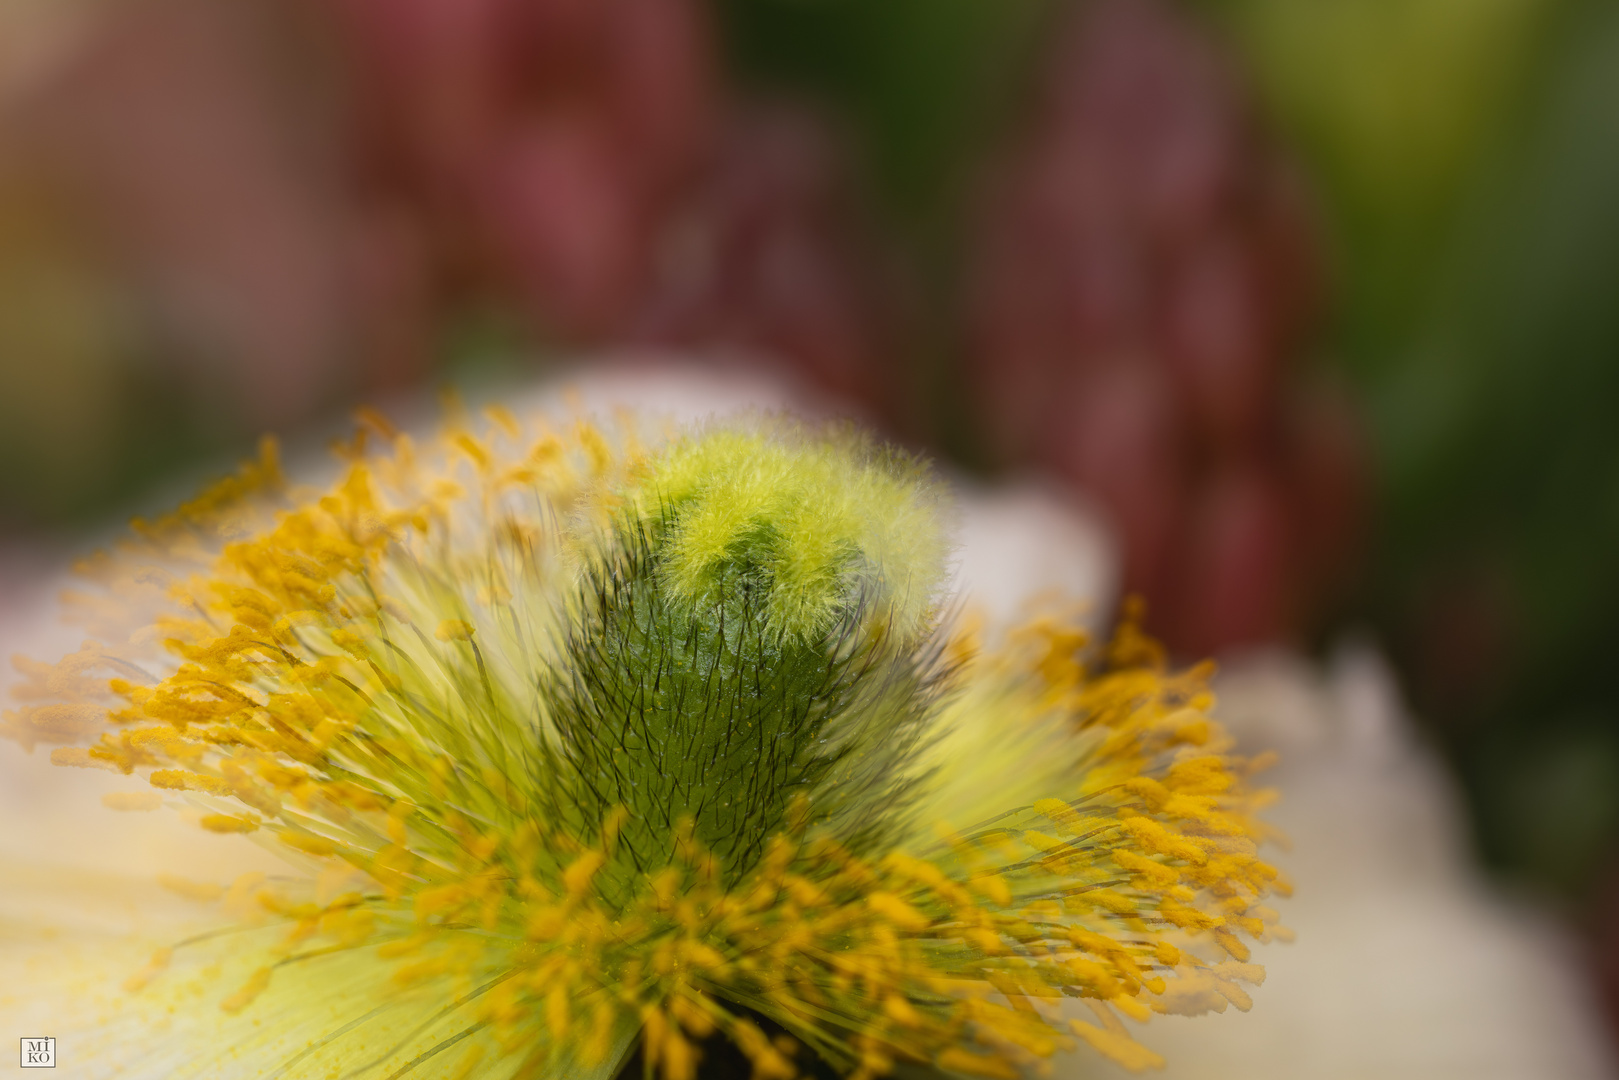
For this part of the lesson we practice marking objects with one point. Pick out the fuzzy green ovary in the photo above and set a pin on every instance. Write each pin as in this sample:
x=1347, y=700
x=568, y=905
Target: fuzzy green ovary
x=714, y=674
x=713, y=720
x=820, y=522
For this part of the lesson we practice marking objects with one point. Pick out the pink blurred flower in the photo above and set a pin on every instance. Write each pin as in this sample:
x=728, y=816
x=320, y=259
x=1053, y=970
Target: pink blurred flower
x=768, y=258
x=540, y=143
x=1144, y=276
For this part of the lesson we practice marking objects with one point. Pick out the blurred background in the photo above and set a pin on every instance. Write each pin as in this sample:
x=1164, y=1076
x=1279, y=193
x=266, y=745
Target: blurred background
x=1318, y=303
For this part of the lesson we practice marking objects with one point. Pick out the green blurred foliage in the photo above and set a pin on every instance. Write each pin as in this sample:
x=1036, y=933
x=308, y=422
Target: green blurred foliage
x=58, y=348
x=84, y=421
x=1394, y=103
x=1497, y=431
x=1467, y=152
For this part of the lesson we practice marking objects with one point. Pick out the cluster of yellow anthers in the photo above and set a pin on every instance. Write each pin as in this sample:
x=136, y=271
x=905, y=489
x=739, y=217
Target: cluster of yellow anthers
x=359, y=673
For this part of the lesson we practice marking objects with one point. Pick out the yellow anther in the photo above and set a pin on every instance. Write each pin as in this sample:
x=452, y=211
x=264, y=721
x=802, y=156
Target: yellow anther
x=454, y=630
x=179, y=780
x=897, y=911
x=154, y=967
x=577, y=877
x=256, y=984
x=132, y=800
x=308, y=843
x=228, y=823
x=955, y=1059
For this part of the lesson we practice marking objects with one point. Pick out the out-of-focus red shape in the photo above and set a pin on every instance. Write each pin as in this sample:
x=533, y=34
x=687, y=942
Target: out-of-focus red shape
x=581, y=158
x=1216, y=333
x=541, y=144
x=1603, y=917
x=1118, y=433
x=168, y=128
x=1235, y=572
x=311, y=193
x=431, y=83
x=396, y=304
x=767, y=257
x=1323, y=455
x=1144, y=275
x=563, y=213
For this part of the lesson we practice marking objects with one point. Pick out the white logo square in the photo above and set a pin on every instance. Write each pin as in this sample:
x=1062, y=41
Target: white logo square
x=38, y=1053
